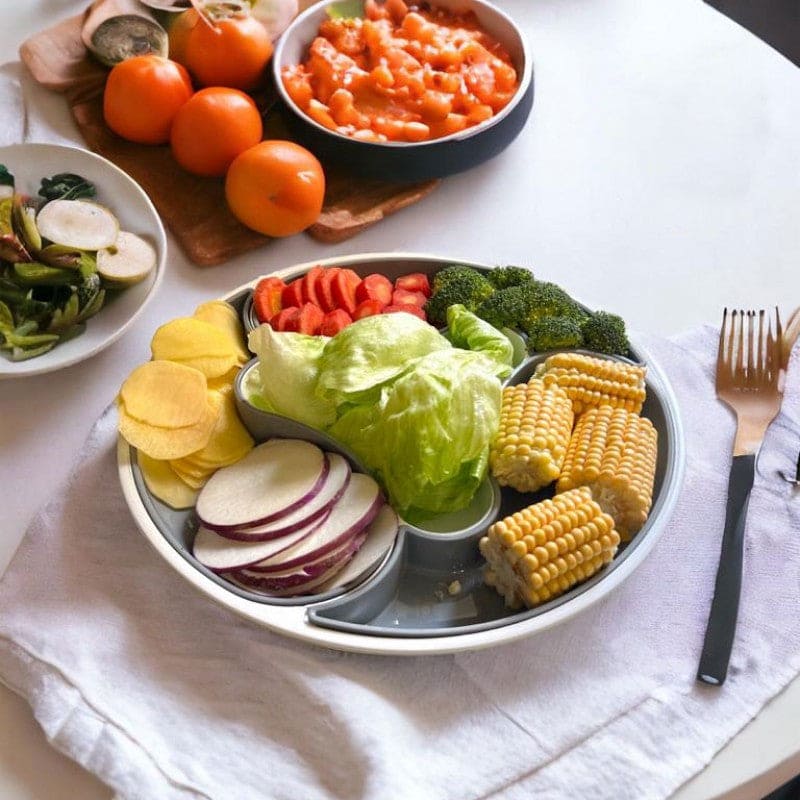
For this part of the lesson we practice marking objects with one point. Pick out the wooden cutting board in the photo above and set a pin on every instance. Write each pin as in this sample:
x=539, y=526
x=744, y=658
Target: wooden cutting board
x=194, y=208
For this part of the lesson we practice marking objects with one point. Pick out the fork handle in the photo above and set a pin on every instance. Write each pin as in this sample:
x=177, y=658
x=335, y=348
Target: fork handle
x=725, y=605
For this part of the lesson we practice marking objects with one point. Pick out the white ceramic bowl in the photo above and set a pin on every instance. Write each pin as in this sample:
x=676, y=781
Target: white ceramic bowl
x=29, y=163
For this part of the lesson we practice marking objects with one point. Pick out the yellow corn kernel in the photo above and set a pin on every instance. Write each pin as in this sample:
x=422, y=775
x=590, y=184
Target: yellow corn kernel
x=572, y=539
x=535, y=426
x=590, y=382
x=613, y=452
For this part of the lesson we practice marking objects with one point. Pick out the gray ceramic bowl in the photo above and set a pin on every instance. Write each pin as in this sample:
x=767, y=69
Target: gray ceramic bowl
x=402, y=161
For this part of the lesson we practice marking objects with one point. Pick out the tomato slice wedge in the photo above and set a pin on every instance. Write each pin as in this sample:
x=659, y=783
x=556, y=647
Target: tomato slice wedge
x=344, y=289
x=292, y=295
x=334, y=321
x=414, y=282
x=375, y=287
x=267, y=298
x=368, y=309
x=310, y=286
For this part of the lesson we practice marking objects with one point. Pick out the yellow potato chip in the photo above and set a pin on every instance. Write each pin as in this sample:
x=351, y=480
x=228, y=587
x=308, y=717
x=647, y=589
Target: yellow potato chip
x=223, y=316
x=229, y=441
x=224, y=383
x=165, y=394
x=210, y=366
x=163, y=482
x=188, y=469
x=191, y=477
x=187, y=338
x=166, y=443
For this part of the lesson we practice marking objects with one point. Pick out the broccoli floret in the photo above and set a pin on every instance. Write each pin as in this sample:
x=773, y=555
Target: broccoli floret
x=519, y=306
x=506, y=308
x=546, y=299
x=456, y=285
x=503, y=277
x=605, y=333
x=553, y=333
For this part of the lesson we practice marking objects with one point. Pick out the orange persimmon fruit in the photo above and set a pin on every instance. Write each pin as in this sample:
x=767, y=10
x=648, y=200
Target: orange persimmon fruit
x=276, y=188
x=142, y=96
x=212, y=128
x=232, y=51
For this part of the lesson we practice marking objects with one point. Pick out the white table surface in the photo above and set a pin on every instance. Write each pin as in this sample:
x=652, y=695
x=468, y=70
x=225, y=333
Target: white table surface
x=658, y=176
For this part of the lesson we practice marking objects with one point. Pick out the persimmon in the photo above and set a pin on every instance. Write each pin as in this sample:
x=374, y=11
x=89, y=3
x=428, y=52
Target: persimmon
x=142, y=96
x=212, y=128
x=228, y=51
x=276, y=188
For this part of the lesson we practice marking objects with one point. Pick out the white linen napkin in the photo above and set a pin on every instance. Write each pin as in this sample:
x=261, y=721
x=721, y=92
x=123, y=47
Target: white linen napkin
x=162, y=694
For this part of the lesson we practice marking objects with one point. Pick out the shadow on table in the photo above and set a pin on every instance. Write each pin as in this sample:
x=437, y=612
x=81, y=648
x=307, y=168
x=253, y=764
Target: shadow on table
x=777, y=22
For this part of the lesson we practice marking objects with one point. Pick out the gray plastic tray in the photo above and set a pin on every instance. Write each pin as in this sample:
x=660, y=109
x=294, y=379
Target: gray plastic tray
x=429, y=586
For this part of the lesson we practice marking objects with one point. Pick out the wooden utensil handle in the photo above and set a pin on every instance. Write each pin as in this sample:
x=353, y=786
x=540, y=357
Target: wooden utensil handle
x=721, y=627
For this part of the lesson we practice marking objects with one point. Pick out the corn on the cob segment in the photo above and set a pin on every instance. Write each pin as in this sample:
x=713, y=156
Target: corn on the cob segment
x=543, y=550
x=535, y=426
x=591, y=382
x=613, y=452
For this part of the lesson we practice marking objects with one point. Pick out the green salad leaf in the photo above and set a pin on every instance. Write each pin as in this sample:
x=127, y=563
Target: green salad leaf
x=289, y=365
x=364, y=356
x=66, y=186
x=428, y=436
x=418, y=412
x=470, y=332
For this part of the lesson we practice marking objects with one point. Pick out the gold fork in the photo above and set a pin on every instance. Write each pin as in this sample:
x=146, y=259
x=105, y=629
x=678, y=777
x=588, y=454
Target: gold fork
x=750, y=364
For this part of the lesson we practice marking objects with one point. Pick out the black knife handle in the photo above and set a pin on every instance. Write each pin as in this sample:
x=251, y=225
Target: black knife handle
x=725, y=605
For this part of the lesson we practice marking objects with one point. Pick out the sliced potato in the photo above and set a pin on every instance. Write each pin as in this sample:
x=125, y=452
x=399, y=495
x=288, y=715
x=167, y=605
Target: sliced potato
x=229, y=441
x=166, y=394
x=196, y=343
x=163, y=482
x=78, y=223
x=129, y=260
x=194, y=478
x=211, y=366
x=223, y=316
x=224, y=383
x=165, y=443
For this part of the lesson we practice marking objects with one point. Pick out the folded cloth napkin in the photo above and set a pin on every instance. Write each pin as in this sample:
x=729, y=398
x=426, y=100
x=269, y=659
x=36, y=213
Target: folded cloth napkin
x=163, y=694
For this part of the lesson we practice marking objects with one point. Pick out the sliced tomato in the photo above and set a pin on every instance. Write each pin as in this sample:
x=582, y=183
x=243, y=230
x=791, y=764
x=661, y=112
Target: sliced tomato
x=368, y=308
x=414, y=282
x=311, y=286
x=293, y=294
x=325, y=289
x=344, y=290
x=334, y=321
x=405, y=297
x=286, y=320
x=407, y=307
x=375, y=287
x=267, y=298
x=309, y=318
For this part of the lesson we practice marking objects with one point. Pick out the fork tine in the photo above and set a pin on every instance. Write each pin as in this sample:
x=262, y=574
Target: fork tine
x=751, y=374
x=739, y=366
x=761, y=365
x=721, y=354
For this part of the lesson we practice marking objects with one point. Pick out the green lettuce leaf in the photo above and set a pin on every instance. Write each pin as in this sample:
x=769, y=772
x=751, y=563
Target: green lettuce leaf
x=372, y=352
x=288, y=365
x=470, y=332
x=427, y=436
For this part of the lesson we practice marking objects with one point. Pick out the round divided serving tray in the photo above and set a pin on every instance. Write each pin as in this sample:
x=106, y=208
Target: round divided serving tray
x=426, y=596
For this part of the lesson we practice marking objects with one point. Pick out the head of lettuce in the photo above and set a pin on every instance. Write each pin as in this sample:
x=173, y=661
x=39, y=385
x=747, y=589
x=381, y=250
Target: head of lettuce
x=418, y=411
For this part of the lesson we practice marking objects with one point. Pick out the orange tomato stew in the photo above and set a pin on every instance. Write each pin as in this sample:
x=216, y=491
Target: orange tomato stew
x=404, y=73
